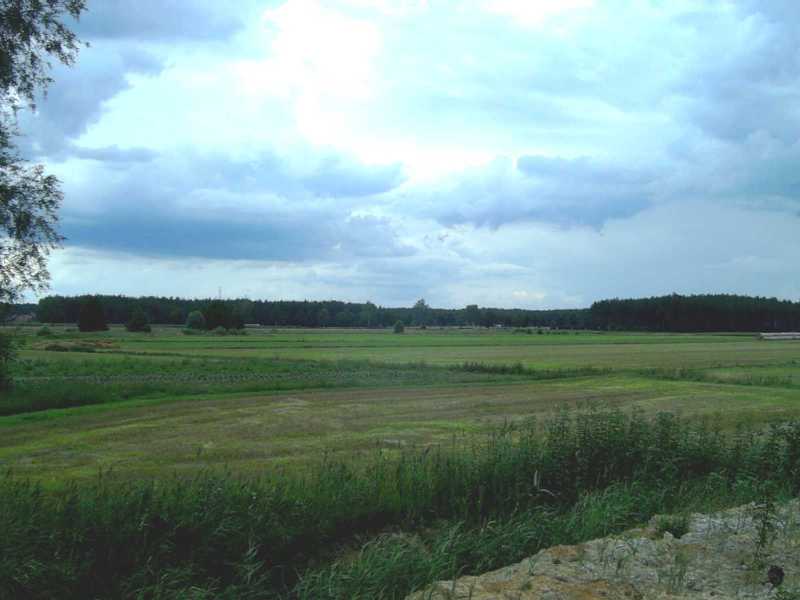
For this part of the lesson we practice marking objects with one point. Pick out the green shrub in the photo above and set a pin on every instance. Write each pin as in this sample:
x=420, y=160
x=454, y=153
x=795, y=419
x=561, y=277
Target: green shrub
x=219, y=330
x=7, y=356
x=138, y=321
x=44, y=331
x=91, y=316
x=195, y=320
x=399, y=327
x=677, y=525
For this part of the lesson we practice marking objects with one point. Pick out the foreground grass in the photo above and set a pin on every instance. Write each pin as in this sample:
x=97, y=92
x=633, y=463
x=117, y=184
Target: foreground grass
x=422, y=515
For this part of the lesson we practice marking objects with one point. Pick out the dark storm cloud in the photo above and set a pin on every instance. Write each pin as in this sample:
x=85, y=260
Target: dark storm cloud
x=214, y=207
x=749, y=80
x=337, y=177
x=327, y=175
x=75, y=100
x=584, y=192
x=549, y=190
x=295, y=237
x=161, y=20
x=113, y=154
x=582, y=171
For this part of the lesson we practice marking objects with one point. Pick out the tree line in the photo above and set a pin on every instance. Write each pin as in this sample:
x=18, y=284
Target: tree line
x=706, y=312
x=306, y=313
x=673, y=313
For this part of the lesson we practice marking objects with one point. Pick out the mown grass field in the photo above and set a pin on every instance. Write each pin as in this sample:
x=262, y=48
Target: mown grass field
x=289, y=465
x=160, y=403
x=550, y=350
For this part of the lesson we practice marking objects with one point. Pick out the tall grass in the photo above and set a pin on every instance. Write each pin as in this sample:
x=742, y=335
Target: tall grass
x=425, y=514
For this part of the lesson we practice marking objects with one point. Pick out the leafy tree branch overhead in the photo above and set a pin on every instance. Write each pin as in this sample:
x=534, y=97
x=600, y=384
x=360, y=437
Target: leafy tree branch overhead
x=32, y=34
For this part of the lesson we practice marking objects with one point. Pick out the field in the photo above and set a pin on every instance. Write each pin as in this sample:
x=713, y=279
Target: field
x=165, y=402
x=317, y=463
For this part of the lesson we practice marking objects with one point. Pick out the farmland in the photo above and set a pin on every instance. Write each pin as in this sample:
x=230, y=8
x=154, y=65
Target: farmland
x=316, y=463
x=163, y=402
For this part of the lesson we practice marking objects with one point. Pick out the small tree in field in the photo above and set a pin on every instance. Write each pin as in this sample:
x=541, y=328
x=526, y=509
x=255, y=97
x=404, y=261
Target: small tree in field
x=92, y=317
x=195, y=320
x=138, y=321
x=399, y=327
x=217, y=314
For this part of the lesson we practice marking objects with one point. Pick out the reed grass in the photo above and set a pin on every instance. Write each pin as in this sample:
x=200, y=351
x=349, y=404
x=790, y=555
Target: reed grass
x=385, y=524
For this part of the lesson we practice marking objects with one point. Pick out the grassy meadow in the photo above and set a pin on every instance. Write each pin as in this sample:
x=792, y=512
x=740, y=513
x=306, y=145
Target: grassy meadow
x=153, y=404
x=340, y=438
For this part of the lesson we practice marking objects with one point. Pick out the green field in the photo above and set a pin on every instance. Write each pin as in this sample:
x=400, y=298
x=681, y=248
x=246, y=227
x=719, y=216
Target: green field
x=155, y=404
x=342, y=464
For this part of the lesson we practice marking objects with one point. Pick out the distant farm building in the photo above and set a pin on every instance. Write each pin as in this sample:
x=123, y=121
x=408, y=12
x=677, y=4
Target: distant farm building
x=789, y=335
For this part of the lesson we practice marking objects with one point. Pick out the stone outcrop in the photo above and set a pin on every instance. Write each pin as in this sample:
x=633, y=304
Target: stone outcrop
x=750, y=552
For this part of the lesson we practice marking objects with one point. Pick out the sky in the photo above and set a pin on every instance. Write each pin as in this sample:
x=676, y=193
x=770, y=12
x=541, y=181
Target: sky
x=531, y=153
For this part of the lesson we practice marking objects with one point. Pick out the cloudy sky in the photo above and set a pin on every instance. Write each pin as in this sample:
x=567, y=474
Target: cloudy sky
x=528, y=153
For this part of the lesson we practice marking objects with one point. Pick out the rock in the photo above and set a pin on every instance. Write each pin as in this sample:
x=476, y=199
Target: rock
x=722, y=556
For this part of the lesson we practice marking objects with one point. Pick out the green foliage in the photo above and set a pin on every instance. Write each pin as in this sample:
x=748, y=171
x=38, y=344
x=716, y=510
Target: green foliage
x=704, y=312
x=677, y=525
x=138, y=321
x=218, y=314
x=421, y=313
x=31, y=33
x=195, y=320
x=7, y=355
x=464, y=508
x=44, y=331
x=399, y=327
x=60, y=309
x=92, y=317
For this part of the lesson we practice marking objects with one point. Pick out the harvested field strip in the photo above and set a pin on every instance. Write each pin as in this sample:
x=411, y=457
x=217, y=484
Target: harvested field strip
x=250, y=431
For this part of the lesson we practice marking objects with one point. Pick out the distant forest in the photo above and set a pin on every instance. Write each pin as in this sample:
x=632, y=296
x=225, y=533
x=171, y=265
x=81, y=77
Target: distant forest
x=709, y=312
x=718, y=312
x=305, y=313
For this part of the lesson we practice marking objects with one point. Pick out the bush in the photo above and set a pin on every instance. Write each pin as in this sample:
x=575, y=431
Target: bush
x=195, y=320
x=138, y=321
x=219, y=330
x=44, y=331
x=399, y=327
x=217, y=314
x=92, y=317
x=7, y=355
